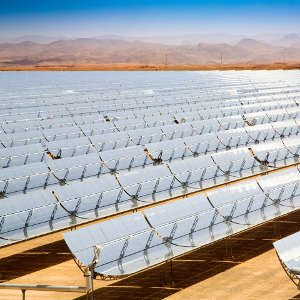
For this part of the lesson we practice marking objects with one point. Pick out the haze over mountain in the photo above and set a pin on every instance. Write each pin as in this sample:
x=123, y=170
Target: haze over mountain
x=276, y=39
x=114, y=49
x=42, y=39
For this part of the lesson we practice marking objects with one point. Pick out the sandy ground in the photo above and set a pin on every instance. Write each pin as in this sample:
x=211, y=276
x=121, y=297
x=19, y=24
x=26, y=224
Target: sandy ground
x=259, y=278
x=132, y=67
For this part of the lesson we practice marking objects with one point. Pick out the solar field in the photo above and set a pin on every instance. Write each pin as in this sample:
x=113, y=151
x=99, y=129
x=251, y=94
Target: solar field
x=162, y=163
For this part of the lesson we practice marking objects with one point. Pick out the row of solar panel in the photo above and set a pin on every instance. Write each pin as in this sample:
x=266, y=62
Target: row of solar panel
x=135, y=96
x=39, y=211
x=151, y=107
x=185, y=140
x=101, y=82
x=29, y=137
x=137, y=241
x=189, y=113
x=136, y=156
x=125, y=87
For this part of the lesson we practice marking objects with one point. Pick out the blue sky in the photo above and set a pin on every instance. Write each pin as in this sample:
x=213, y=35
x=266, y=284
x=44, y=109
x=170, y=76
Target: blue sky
x=74, y=18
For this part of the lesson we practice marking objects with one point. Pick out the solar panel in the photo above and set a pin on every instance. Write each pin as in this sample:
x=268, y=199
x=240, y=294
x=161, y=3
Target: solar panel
x=287, y=250
x=21, y=155
x=141, y=182
x=192, y=131
x=165, y=231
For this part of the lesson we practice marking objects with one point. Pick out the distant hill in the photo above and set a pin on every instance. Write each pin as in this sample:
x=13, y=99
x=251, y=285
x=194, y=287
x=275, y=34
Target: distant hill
x=289, y=40
x=255, y=46
x=30, y=38
x=113, y=50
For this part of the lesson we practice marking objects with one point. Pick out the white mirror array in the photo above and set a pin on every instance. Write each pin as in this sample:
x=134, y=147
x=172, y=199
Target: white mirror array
x=69, y=155
x=109, y=194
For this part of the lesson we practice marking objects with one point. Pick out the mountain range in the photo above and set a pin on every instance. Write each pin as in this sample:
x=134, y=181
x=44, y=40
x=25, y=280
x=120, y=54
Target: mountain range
x=39, y=50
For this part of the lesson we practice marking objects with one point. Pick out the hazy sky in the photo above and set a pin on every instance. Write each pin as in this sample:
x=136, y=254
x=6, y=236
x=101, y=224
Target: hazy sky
x=86, y=18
